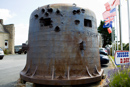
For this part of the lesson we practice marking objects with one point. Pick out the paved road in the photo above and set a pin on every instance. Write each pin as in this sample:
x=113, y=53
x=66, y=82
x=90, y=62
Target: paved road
x=11, y=66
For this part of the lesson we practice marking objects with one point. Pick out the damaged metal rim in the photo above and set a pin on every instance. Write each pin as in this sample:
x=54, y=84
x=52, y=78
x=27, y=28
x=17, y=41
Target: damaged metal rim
x=76, y=81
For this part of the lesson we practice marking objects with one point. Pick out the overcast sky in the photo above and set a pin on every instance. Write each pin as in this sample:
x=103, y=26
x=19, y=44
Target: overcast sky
x=18, y=12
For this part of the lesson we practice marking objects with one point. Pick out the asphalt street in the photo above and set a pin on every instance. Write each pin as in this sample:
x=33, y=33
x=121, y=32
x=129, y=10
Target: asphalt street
x=11, y=65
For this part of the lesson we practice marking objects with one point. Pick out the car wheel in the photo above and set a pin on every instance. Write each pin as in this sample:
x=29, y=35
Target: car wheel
x=19, y=52
x=1, y=58
x=25, y=52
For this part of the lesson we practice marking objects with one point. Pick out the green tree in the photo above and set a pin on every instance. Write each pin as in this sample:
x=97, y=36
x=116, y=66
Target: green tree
x=105, y=35
x=126, y=47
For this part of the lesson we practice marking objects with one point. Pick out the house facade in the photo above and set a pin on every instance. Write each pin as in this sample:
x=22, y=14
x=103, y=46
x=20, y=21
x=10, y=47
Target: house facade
x=7, y=36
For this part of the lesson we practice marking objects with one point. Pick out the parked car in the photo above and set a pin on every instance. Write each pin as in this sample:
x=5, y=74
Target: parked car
x=103, y=51
x=18, y=48
x=1, y=53
x=104, y=59
x=103, y=56
x=21, y=48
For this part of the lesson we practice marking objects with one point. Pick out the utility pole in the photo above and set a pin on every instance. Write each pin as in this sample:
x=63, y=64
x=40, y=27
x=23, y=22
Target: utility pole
x=117, y=26
x=120, y=24
x=112, y=35
x=128, y=24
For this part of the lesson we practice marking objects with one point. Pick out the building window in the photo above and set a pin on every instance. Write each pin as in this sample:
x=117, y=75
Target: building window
x=87, y=23
x=6, y=44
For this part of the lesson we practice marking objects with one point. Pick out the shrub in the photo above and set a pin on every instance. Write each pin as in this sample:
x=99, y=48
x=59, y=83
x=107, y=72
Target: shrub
x=6, y=51
x=119, y=77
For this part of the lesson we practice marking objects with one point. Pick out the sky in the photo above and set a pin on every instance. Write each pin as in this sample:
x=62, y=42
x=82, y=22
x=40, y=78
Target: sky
x=18, y=12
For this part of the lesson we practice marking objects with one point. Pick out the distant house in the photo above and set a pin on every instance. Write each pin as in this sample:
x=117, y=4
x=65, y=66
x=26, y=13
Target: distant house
x=7, y=36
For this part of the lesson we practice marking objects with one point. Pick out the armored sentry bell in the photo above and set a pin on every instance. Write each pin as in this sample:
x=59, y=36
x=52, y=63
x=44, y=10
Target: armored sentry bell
x=62, y=46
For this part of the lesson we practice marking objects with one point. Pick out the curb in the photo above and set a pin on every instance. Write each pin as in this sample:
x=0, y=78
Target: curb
x=113, y=62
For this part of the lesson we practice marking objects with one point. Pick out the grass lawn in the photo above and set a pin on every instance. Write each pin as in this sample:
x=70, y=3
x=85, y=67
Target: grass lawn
x=114, y=60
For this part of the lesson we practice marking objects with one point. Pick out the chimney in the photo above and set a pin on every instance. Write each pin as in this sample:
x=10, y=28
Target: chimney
x=1, y=21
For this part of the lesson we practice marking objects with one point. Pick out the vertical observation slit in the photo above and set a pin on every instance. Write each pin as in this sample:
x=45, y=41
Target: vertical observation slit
x=82, y=45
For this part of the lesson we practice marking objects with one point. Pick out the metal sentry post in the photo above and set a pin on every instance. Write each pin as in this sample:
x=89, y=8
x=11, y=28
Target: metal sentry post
x=112, y=41
x=115, y=32
x=128, y=24
x=120, y=24
x=117, y=25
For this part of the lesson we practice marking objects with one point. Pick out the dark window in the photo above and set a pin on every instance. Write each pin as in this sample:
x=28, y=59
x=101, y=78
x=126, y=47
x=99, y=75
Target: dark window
x=5, y=43
x=87, y=23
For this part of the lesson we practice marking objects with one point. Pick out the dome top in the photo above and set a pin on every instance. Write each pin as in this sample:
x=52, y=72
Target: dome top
x=63, y=6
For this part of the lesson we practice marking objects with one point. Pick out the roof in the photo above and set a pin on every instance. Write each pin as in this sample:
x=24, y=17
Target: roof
x=2, y=29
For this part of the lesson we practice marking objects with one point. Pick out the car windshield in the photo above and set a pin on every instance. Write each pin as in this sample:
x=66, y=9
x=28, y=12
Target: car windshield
x=100, y=49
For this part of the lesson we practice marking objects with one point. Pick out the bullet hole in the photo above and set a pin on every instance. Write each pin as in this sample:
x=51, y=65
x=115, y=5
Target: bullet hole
x=50, y=10
x=48, y=6
x=43, y=10
x=36, y=16
x=46, y=14
x=87, y=23
x=82, y=10
x=74, y=12
x=57, y=29
x=78, y=11
x=77, y=22
x=45, y=21
x=81, y=46
x=57, y=12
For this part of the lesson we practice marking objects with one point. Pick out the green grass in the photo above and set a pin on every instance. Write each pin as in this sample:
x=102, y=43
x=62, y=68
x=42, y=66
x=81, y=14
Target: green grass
x=112, y=57
x=114, y=60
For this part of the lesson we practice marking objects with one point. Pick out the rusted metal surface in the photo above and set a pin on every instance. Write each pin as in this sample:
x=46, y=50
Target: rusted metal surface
x=62, y=46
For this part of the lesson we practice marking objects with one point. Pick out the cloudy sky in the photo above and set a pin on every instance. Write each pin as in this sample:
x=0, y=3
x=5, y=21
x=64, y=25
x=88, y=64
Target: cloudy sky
x=18, y=12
